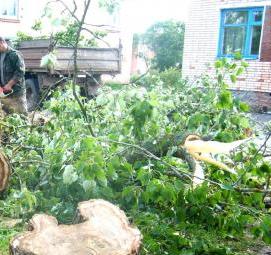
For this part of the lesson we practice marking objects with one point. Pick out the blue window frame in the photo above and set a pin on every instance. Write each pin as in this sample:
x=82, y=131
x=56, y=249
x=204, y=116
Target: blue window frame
x=240, y=32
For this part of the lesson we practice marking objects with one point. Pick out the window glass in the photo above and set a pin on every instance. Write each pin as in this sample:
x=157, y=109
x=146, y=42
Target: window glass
x=255, y=41
x=234, y=40
x=8, y=8
x=236, y=17
x=258, y=16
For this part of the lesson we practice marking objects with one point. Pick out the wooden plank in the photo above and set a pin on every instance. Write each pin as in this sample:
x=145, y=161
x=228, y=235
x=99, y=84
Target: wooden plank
x=33, y=54
x=88, y=54
x=68, y=54
x=93, y=65
x=35, y=43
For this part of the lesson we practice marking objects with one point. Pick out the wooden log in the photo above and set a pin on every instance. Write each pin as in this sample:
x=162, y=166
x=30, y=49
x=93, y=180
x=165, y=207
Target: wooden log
x=160, y=148
x=103, y=229
x=5, y=171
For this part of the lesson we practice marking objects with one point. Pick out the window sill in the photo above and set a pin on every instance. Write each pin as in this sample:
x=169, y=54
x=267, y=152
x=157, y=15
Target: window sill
x=244, y=58
x=9, y=20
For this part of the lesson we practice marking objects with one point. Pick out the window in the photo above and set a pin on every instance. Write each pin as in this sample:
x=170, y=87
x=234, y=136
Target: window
x=240, y=32
x=9, y=9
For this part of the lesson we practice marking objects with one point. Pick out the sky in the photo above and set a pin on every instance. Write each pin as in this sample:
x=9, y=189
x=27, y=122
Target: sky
x=140, y=14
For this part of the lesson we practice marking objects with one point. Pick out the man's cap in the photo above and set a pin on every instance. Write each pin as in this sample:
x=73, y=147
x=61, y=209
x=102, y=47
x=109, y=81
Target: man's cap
x=2, y=39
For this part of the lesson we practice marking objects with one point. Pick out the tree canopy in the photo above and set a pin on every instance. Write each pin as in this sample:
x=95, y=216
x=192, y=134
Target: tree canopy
x=166, y=39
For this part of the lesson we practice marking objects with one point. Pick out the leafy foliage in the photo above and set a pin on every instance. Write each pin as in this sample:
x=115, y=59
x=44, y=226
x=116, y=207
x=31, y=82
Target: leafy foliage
x=58, y=164
x=5, y=235
x=67, y=37
x=166, y=39
x=110, y=5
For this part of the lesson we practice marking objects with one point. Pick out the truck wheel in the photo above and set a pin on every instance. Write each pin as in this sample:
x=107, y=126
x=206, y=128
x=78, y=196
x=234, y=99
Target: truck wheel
x=32, y=94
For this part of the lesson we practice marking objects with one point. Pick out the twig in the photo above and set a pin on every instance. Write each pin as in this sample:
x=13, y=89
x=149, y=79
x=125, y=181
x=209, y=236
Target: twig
x=252, y=190
x=181, y=174
x=140, y=77
x=22, y=146
x=31, y=162
x=92, y=76
x=78, y=33
x=96, y=36
x=72, y=13
x=45, y=96
x=254, y=157
x=254, y=212
x=267, y=186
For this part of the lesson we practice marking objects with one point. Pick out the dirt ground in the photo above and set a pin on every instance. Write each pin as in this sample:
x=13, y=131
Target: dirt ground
x=260, y=123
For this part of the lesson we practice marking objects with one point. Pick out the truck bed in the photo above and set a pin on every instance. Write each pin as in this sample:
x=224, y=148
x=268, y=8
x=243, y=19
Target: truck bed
x=93, y=60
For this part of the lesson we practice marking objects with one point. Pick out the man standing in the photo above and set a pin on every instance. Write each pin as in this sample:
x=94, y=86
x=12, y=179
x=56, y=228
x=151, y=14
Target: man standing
x=12, y=81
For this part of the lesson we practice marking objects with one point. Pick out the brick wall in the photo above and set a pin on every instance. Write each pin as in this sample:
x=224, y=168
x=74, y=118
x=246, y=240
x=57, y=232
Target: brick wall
x=201, y=44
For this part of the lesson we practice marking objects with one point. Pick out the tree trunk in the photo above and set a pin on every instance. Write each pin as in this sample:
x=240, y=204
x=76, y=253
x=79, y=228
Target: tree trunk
x=103, y=229
x=4, y=171
x=161, y=147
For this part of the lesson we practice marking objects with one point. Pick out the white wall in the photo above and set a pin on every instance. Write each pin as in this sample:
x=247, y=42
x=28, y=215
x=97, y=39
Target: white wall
x=28, y=12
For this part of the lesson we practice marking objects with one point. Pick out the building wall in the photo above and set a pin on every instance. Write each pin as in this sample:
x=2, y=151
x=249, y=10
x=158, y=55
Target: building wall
x=201, y=44
x=27, y=14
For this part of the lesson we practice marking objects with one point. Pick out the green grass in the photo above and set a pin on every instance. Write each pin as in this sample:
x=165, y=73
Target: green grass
x=5, y=237
x=245, y=245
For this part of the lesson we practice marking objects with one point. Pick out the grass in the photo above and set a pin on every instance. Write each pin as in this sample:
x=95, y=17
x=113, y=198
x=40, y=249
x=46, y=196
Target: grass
x=5, y=237
x=244, y=245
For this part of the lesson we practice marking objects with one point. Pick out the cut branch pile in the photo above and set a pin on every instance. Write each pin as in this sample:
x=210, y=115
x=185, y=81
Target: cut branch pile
x=102, y=229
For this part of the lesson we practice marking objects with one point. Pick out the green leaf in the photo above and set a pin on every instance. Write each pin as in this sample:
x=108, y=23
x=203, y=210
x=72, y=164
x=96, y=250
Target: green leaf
x=143, y=176
x=244, y=64
x=225, y=100
x=238, y=56
x=89, y=185
x=227, y=187
x=239, y=71
x=69, y=175
x=244, y=122
x=265, y=168
x=266, y=229
x=195, y=120
x=244, y=107
x=233, y=78
x=218, y=64
x=101, y=177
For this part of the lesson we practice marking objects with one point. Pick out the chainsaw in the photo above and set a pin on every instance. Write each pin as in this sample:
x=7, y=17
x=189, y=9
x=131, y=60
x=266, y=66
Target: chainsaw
x=3, y=94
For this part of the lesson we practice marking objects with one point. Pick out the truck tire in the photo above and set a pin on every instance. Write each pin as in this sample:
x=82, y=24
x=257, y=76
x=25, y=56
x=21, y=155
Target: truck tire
x=32, y=94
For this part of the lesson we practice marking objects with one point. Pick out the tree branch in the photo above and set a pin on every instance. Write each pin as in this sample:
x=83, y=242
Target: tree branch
x=183, y=174
x=95, y=36
x=78, y=33
x=254, y=157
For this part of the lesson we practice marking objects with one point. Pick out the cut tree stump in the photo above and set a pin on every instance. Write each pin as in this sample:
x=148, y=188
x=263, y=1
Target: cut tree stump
x=104, y=230
x=4, y=171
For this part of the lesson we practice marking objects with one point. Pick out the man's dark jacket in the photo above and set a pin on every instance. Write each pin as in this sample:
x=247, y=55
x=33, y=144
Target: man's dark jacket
x=13, y=69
